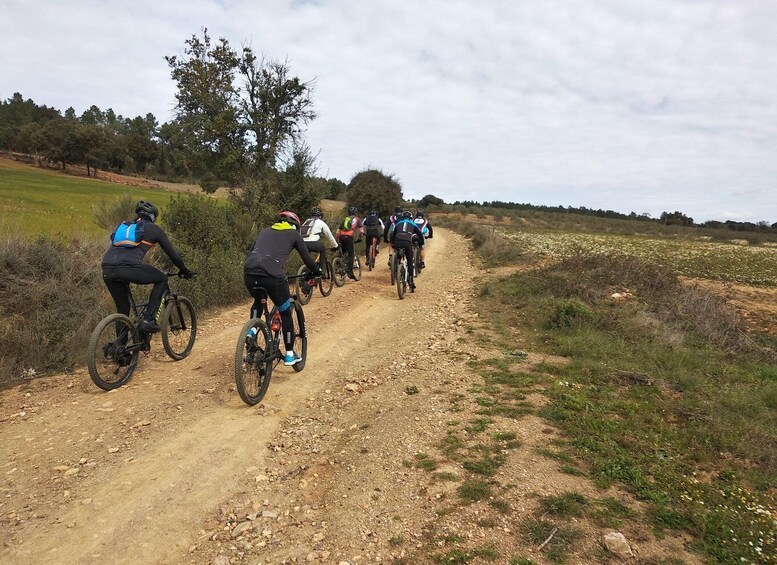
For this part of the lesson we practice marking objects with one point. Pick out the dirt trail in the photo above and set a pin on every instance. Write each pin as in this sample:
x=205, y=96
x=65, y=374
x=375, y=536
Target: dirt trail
x=128, y=475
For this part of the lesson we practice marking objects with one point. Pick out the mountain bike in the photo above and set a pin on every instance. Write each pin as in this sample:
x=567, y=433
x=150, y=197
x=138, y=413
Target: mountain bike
x=258, y=348
x=303, y=289
x=340, y=261
x=115, y=344
x=401, y=272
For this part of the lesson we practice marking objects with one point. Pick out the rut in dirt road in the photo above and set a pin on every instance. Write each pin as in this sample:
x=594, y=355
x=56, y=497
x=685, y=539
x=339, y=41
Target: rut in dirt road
x=128, y=476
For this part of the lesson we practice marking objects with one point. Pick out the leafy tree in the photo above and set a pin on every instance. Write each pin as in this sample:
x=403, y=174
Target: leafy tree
x=675, y=219
x=299, y=191
x=207, y=109
x=373, y=189
x=430, y=200
x=236, y=114
x=337, y=189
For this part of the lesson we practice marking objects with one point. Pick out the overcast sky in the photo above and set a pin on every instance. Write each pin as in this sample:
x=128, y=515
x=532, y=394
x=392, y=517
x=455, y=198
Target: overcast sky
x=633, y=106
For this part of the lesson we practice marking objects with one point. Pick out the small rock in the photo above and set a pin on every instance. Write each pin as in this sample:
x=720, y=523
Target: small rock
x=318, y=537
x=86, y=501
x=352, y=387
x=113, y=450
x=221, y=560
x=616, y=543
x=72, y=471
x=269, y=514
x=241, y=528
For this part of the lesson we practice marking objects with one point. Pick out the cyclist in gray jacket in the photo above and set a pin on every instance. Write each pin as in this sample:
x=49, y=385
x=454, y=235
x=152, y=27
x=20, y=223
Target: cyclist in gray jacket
x=264, y=267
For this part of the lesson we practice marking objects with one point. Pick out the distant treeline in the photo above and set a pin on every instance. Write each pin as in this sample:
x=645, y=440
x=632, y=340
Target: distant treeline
x=104, y=140
x=675, y=218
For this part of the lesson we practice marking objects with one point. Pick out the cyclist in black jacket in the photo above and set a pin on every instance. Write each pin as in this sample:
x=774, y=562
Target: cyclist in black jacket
x=123, y=263
x=404, y=235
x=264, y=267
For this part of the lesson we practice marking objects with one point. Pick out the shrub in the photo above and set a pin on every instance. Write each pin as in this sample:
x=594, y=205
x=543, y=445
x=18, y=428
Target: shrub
x=47, y=310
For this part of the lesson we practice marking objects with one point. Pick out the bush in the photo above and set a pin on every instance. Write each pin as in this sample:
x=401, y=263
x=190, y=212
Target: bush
x=48, y=307
x=110, y=213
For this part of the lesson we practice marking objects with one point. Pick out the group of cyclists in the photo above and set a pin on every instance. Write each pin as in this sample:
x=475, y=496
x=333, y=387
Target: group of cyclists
x=264, y=265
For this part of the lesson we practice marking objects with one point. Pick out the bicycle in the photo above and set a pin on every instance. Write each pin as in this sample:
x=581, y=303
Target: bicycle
x=401, y=272
x=258, y=348
x=303, y=290
x=340, y=261
x=116, y=342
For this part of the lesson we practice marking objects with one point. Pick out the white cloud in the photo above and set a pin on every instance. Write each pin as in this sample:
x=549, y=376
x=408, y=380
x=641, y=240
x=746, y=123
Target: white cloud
x=654, y=106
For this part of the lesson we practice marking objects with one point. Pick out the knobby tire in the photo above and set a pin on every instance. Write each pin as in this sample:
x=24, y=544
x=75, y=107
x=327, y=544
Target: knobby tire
x=103, y=358
x=253, y=369
x=179, y=328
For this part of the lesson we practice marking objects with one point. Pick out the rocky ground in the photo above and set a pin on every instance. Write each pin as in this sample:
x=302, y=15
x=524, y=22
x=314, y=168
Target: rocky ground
x=342, y=463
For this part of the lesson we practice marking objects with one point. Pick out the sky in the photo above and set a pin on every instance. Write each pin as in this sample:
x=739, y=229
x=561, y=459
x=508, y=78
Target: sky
x=644, y=106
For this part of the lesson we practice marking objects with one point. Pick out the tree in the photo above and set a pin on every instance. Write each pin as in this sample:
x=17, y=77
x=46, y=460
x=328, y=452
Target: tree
x=374, y=190
x=237, y=114
x=207, y=109
x=675, y=219
x=430, y=200
x=275, y=107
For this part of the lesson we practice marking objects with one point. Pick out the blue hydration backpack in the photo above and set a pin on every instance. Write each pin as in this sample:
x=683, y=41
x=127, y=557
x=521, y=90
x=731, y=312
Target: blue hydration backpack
x=129, y=234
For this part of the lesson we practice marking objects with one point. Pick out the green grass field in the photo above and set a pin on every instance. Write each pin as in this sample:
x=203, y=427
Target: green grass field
x=38, y=201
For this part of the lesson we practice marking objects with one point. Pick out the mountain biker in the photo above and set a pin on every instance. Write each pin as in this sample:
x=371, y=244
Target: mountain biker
x=373, y=230
x=426, y=228
x=123, y=263
x=345, y=235
x=389, y=229
x=312, y=230
x=264, y=267
x=405, y=234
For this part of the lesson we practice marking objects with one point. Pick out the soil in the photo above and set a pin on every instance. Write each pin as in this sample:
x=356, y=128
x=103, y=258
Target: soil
x=174, y=468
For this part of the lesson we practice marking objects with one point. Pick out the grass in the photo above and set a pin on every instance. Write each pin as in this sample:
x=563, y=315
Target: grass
x=39, y=201
x=655, y=399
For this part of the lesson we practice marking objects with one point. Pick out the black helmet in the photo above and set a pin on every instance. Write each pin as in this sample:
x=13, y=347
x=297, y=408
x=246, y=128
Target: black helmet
x=317, y=212
x=373, y=213
x=419, y=214
x=352, y=210
x=397, y=210
x=146, y=210
x=407, y=214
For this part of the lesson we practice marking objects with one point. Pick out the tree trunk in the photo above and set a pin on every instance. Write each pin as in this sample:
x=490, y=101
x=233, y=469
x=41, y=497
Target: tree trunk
x=88, y=171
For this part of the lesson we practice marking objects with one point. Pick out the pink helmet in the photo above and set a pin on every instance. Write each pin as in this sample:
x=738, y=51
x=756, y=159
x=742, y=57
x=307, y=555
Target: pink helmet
x=290, y=217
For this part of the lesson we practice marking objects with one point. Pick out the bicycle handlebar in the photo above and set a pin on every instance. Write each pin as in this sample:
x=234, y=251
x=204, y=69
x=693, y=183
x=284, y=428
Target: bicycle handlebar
x=189, y=275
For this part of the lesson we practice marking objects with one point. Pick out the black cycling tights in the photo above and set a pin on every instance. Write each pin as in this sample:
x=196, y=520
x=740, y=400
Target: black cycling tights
x=116, y=278
x=278, y=291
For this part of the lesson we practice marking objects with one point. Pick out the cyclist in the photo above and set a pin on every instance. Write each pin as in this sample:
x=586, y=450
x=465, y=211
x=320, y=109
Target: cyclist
x=405, y=234
x=264, y=267
x=123, y=263
x=426, y=228
x=312, y=231
x=389, y=229
x=345, y=235
x=373, y=230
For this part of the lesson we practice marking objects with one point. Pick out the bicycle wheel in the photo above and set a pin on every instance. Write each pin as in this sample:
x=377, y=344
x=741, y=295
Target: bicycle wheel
x=392, y=270
x=113, y=351
x=357, y=267
x=301, y=336
x=339, y=271
x=303, y=289
x=325, y=284
x=253, y=362
x=401, y=280
x=179, y=328
x=371, y=257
